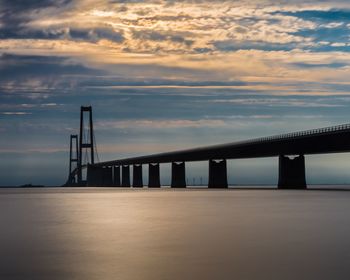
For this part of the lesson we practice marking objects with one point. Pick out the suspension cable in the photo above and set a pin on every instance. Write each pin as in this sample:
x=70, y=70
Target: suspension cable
x=95, y=146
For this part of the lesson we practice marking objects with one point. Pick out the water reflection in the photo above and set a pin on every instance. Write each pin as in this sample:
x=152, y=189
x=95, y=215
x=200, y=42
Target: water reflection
x=167, y=234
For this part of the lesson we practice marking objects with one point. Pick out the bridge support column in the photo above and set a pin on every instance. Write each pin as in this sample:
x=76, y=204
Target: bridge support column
x=116, y=176
x=153, y=175
x=93, y=176
x=107, y=176
x=291, y=172
x=98, y=176
x=126, y=176
x=137, y=181
x=178, y=175
x=217, y=174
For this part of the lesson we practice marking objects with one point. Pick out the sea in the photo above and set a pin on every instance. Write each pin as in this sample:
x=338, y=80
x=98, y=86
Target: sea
x=149, y=234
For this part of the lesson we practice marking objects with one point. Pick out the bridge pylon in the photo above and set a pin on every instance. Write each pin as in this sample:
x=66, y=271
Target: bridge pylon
x=73, y=159
x=86, y=141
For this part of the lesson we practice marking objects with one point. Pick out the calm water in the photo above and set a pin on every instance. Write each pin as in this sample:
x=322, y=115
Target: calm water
x=167, y=234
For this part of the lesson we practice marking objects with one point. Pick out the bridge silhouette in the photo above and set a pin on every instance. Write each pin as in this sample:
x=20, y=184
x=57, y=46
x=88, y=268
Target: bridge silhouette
x=290, y=149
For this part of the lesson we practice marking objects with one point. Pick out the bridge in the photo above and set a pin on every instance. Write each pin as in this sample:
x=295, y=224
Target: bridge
x=290, y=149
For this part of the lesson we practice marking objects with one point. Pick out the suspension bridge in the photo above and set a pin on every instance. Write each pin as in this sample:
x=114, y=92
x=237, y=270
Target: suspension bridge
x=290, y=149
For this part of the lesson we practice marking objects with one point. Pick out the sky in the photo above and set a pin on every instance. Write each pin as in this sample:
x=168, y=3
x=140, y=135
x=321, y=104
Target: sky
x=166, y=75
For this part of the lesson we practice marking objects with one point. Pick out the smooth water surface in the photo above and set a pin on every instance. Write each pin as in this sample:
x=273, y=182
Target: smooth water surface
x=174, y=234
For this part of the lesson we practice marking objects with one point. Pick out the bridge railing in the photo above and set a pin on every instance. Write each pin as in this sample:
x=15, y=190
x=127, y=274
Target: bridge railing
x=197, y=153
x=310, y=132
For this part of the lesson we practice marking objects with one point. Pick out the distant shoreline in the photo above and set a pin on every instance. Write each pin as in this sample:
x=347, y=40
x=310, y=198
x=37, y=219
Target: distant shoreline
x=315, y=187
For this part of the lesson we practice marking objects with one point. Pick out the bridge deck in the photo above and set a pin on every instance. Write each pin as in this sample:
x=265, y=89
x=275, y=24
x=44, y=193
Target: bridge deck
x=335, y=139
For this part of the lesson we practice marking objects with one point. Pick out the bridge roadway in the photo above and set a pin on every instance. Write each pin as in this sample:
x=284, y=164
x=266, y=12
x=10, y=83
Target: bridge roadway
x=335, y=139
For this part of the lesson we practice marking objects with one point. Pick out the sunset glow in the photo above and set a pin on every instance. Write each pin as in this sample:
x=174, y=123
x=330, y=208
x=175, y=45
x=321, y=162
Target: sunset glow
x=171, y=73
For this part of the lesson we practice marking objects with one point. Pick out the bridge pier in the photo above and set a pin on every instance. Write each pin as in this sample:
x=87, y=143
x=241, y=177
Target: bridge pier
x=153, y=175
x=116, y=176
x=126, y=176
x=99, y=176
x=217, y=174
x=291, y=172
x=107, y=176
x=137, y=176
x=178, y=175
x=93, y=176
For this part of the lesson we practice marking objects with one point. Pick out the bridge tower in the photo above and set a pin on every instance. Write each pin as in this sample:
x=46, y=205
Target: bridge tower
x=86, y=141
x=73, y=159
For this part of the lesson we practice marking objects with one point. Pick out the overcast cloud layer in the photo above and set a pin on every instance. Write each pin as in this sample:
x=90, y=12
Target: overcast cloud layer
x=165, y=75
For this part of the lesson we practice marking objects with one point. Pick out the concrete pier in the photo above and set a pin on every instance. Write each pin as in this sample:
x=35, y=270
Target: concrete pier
x=153, y=175
x=99, y=176
x=126, y=176
x=107, y=176
x=116, y=176
x=178, y=175
x=217, y=174
x=137, y=181
x=93, y=176
x=291, y=172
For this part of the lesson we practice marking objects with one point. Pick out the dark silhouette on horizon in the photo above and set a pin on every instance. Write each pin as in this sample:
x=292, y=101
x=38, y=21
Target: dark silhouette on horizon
x=290, y=149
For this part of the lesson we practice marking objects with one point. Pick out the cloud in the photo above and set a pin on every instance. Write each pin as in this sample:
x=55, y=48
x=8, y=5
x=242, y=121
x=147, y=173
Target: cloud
x=106, y=83
x=16, y=14
x=279, y=102
x=19, y=6
x=15, y=113
x=157, y=26
x=96, y=34
x=159, y=124
x=320, y=65
x=33, y=75
x=169, y=27
x=12, y=65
